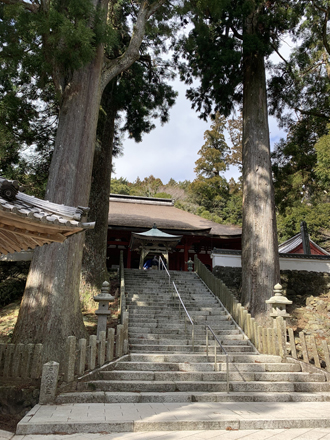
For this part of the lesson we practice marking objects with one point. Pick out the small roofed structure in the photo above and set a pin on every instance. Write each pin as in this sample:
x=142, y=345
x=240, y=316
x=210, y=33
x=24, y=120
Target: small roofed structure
x=301, y=244
x=153, y=241
x=295, y=246
x=27, y=222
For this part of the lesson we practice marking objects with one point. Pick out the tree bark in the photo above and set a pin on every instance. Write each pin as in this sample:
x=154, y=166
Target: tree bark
x=260, y=261
x=50, y=310
x=94, y=269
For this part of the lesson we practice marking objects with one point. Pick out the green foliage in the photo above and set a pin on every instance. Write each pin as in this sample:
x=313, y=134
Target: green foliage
x=147, y=187
x=163, y=195
x=210, y=189
x=322, y=168
x=213, y=152
x=294, y=161
x=316, y=216
x=119, y=186
x=235, y=129
x=212, y=50
x=202, y=212
x=28, y=113
x=48, y=46
x=70, y=38
x=144, y=96
x=301, y=83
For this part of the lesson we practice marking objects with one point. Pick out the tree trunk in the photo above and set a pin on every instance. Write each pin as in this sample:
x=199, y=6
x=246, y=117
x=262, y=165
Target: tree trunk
x=260, y=261
x=94, y=269
x=50, y=309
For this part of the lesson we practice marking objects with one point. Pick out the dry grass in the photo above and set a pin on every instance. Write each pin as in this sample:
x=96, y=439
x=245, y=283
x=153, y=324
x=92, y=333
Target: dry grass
x=8, y=317
x=9, y=313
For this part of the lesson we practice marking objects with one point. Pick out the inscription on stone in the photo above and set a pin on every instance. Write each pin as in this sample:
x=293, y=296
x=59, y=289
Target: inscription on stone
x=48, y=382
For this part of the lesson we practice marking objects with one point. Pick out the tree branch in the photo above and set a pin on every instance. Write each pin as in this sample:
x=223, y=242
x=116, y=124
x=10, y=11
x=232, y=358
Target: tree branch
x=33, y=7
x=118, y=65
x=282, y=58
x=236, y=33
x=318, y=7
x=324, y=33
x=312, y=113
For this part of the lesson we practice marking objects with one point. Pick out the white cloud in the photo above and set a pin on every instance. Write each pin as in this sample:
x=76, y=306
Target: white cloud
x=170, y=151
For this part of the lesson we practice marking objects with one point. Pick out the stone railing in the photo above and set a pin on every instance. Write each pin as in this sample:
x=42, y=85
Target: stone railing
x=82, y=358
x=20, y=361
x=274, y=341
x=122, y=303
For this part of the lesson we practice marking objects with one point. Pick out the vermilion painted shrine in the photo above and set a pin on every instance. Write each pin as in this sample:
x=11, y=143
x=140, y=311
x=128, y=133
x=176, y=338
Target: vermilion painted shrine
x=129, y=215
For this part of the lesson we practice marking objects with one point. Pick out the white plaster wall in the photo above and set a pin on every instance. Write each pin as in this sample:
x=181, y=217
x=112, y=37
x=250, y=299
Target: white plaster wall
x=226, y=260
x=310, y=265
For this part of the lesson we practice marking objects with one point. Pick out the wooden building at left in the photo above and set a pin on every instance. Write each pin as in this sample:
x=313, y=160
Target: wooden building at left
x=27, y=222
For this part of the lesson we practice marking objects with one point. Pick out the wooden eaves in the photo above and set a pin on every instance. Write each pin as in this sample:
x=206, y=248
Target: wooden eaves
x=27, y=222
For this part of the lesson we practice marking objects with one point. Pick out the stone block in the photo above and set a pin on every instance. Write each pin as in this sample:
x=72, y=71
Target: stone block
x=48, y=382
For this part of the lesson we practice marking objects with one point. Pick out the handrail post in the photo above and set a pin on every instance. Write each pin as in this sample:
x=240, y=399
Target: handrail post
x=227, y=368
x=193, y=337
x=207, y=343
x=215, y=355
x=216, y=340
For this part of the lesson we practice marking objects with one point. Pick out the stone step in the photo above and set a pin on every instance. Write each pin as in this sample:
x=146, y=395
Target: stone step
x=218, y=376
x=169, y=319
x=204, y=386
x=204, y=299
x=154, y=300
x=177, y=376
x=199, y=329
x=228, y=334
x=192, y=308
x=183, y=340
x=187, y=341
x=186, y=349
x=198, y=358
x=207, y=366
x=186, y=397
x=163, y=303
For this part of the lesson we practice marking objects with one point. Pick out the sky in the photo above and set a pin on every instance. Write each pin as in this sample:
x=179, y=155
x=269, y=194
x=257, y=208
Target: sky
x=170, y=151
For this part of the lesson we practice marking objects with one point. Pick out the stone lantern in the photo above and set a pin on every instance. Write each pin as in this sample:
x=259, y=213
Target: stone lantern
x=279, y=303
x=190, y=265
x=103, y=311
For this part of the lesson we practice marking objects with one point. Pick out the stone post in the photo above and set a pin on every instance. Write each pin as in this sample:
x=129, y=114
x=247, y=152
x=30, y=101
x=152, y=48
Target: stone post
x=278, y=303
x=103, y=311
x=48, y=382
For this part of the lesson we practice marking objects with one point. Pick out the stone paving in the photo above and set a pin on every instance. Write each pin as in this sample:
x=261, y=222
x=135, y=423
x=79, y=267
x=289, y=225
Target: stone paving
x=103, y=417
x=266, y=434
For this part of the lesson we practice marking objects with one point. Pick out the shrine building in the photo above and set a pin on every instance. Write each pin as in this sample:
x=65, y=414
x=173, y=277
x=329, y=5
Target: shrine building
x=143, y=227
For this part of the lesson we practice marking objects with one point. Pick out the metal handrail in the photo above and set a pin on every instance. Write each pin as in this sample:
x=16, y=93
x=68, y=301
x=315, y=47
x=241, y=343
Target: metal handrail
x=189, y=317
x=165, y=268
x=184, y=307
x=229, y=314
x=208, y=328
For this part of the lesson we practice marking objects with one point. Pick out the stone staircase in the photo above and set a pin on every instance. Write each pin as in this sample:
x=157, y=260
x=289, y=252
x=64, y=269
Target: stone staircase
x=162, y=384
x=162, y=367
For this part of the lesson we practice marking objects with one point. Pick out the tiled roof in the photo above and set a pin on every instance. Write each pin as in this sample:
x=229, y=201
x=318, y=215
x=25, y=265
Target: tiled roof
x=27, y=222
x=295, y=241
x=290, y=244
x=142, y=213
